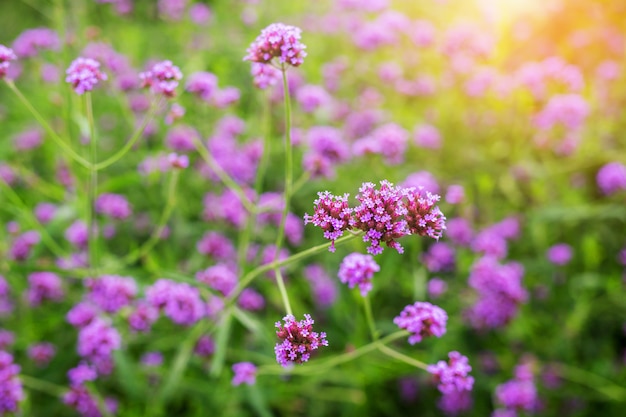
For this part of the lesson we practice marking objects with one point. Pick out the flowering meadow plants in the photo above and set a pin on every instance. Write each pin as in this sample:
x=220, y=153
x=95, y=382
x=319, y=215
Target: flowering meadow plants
x=341, y=207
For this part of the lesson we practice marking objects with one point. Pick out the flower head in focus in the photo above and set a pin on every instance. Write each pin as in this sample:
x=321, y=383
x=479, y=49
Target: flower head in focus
x=84, y=74
x=278, y=41
x=298, y=340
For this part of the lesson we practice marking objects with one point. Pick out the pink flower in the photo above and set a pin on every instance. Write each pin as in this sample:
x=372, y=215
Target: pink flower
x=278, y=41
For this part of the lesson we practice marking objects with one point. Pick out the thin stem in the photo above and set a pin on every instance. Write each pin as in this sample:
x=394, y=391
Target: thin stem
x=170, y=203
x=267, y=145
x=591, y=381
x=131, y=142
x=327, y=364
x=224, y=177
x=42, y=386
x=67, y=148
x=370, y=318
x=92, y=190
x=283, y=291
x=278, y=263
x=25, y=211
x=402, y=357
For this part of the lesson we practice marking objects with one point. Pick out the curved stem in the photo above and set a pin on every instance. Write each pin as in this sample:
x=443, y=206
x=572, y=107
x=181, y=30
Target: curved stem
x=283, y=291
x=370, y=318
x=67, y=148
x=92, y=189
x=170, y=203
x=224, y=177
x=42, y=386
x=402, y=357
x=131, y=142
x=327, y=364
x=591, y=381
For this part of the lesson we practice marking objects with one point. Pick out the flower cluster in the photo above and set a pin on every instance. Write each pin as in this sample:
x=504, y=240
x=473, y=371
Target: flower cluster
x=162, y=78
x=298, y=340
x=384, y=215
x=264, y=75
x=245, y=373
x=422, y=319
x=520, y=393
x=6, y=55
x=111, y=292
x=179, y=301
x=83, y=74
x=332, y=214
x=357, y=269
x=11, y=392
x=278, y=41
x=452, y=375
x=115, y=206
x=44, y=286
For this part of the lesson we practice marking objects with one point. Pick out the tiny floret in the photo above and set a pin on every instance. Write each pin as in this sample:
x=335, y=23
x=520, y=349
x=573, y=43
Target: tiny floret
x=298, y=340
x=84, y=74
x=278, y=41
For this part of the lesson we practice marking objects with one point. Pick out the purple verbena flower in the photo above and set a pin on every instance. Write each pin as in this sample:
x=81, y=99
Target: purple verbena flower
x=220, y=277
x=81, y=374
x=181, y=138
x=44, y=212
x=29, y=42
x=142, y=317
x=560, y=254
x=251, y=300
x=97, y=341
x=78, y=234
x=151, y=359
x=162, y=78
x=278, y=41
x=436, y=287
x=203, y=84
x=22, y=245
x=11, y=392
x=332, y=215
x=205, y=346
x=264, y=75
x=298, y=340
x=178, y=161
x=84, y=74
x=380, y=216
x=452, y=375
x=422, y=319
x=79, y=399
x=179, y=301
x=115, y=206
x=245, y=373
x=81, y=314
x=6, y=56
x=41, y=353
x=611, y=178
x=111, y=292
x=518, y=395
x=7, y=338
x=44, y=286
x=358, y=269
x=217, y=246
x=423, y=217
x=323, y=287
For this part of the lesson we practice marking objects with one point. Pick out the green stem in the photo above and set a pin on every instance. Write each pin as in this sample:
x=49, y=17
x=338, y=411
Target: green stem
x=280, y=237
x=370, y=318
x=591, y=381
x=224, y=177
x=34, y=223
x=92, y=189
x=165, y=215
x=283, y=291
x=278, y=263
x=326, y=364
x=67, y=148
x=131, y=142
x=402, y=357
x=42, y=386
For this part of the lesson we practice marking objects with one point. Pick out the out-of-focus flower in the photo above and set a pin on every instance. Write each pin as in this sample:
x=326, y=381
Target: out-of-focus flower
x=6, y=56
x=611, y=178
x=10, y=385
x=560, y=254
x=115, y=206
x=29, y=42
x=162, y=78
x=84, y=74
x=452, y=375
x=245, y=373
x=422, y=319
x=358, y=269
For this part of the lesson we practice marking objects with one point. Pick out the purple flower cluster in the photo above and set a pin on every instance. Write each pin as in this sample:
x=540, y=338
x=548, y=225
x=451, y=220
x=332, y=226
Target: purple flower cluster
x=560, y=254
x=162, y=78
x=96, y=343
x=323, y=287
x=41, y=353
x=205, y=346
x=217, y=246
x=611, y=178
x=22, y=245
x=440, y=257
x=111, y=292
x=11, y=392
x=6, y=56
x=357, y=269
x=384, y=215
x=264, y=75
x=115, y=206
x=179, y=301
x=245, y=373
x=422, y=319
x=389, y=140
x=298, y=340
x=452, y=375
x=520, y=393
x=6, y=305
x=332, y=214
x=500, y=292
x=83, y=74
x=43, y=286
x=29, y=42
x=278, y=41
x=380, y=215
x=220, y=277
